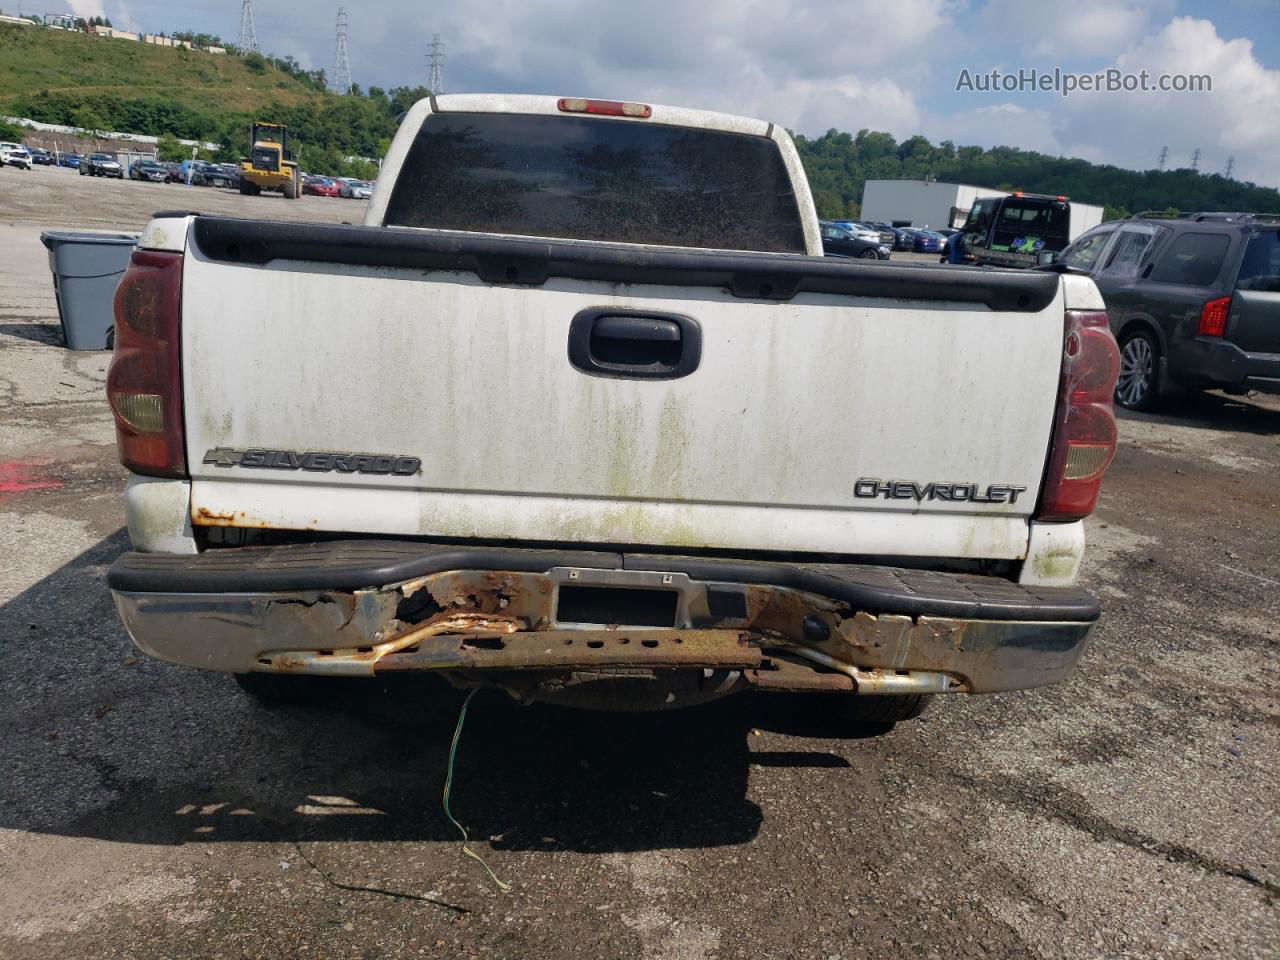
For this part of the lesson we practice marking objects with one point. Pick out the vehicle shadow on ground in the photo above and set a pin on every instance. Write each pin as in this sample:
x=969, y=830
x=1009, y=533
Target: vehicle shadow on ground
x=45, y=333
x=1213, y=411
x=182, y=756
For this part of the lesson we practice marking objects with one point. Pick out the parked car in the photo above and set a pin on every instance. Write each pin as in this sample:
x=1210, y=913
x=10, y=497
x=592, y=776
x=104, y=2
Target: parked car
x=320, y=187
x=223, y=175
x=904, y=238
x=71, y=160
x=859, y=230
x=41, y=157
x=14, y=155
x=887, y=233
x=1194, y=301
x=173, y=171
x=355, y=189
x=148, y=170
x=927, y=241
x=194, y=172
x=749, y=488
x=839, y=242
x=101, y=165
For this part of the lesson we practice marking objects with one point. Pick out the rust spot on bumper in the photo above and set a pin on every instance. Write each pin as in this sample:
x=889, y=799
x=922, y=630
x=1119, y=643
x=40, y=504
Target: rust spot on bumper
x=580, y=649
x=362, y=661
x=785, y=675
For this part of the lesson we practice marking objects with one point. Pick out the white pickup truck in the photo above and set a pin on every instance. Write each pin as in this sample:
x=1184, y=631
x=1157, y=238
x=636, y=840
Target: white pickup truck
x=580, y=412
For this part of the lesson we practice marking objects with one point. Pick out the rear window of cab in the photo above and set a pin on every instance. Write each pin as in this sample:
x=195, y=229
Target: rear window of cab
x=596, y=178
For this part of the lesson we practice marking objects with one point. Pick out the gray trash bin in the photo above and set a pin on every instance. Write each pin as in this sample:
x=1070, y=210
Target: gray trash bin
x=87, y=265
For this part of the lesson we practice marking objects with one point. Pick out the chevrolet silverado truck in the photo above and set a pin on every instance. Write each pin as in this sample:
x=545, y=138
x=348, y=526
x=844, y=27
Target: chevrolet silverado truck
x=580, y=412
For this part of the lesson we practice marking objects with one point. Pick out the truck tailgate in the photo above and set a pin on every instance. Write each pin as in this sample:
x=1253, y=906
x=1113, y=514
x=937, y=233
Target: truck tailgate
x=868, y=411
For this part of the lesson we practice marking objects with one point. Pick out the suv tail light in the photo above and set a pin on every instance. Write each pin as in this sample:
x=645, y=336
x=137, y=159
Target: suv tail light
x=1213, y=317
x=1084, y=431
x=144, y=384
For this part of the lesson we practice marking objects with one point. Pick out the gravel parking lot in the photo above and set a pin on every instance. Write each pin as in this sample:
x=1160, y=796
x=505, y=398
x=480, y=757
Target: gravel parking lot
x=148, y=811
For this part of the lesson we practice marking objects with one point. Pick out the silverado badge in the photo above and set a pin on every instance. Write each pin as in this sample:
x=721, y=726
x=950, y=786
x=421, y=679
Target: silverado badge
x=316, y=462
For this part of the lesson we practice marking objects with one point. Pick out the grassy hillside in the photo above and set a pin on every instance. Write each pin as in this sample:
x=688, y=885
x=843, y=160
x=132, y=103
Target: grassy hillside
x=40, y=61
x=102, y=84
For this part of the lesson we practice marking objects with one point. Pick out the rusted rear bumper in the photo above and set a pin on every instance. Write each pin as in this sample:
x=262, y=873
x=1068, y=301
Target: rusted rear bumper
x=514, y=612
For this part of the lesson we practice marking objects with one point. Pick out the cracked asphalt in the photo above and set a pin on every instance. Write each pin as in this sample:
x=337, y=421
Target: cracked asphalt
x=148, y=811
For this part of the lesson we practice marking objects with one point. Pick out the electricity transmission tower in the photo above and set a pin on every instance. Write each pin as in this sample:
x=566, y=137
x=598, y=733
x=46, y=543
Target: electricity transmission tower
x=1195, y=159
x=341, y=60
x=436, y=60
x=1231, y=163
x=1164, y=155
x=248, y=32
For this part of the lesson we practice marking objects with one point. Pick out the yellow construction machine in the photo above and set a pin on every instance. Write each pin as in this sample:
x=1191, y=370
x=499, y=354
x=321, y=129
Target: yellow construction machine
x=270, y=164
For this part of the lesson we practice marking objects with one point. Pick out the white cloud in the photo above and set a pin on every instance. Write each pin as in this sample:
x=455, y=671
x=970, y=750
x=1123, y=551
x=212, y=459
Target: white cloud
x=850, y=104
x=123, y=17
x=1083, y=29
x=86, y=8
x=1001, y=124
x=1239, y=118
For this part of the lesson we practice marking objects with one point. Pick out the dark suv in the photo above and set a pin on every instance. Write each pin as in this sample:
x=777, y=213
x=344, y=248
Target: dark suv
x=1194, y=300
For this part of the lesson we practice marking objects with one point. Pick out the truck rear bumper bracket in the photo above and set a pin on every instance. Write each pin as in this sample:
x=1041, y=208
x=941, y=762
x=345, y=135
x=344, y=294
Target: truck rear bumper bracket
x=516, y=620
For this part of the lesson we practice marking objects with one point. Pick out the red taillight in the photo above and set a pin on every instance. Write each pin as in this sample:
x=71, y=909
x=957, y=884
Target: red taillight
x=608, y=108
x=144, y=384
x=1084, y=432
x=1213, y=317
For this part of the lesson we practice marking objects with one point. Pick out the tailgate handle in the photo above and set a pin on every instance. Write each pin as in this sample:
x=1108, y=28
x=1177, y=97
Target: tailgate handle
x=636, y=328
x=634, y=345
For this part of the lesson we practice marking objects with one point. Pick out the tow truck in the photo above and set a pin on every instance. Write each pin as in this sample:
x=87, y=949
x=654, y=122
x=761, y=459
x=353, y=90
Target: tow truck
x=1024, y=229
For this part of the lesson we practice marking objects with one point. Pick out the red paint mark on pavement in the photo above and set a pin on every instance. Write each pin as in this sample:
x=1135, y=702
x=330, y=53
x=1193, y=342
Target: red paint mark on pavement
x=19, y=476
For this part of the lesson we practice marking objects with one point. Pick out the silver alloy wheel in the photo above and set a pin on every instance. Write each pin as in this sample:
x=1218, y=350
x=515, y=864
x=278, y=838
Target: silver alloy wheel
x=1137, y=365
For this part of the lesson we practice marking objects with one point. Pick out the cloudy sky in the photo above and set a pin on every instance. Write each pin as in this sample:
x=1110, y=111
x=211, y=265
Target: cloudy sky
x=814, y=64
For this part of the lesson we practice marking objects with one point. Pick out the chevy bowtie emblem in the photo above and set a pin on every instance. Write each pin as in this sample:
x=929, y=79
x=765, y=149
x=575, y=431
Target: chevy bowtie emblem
x=259, y=458
x=223, y=456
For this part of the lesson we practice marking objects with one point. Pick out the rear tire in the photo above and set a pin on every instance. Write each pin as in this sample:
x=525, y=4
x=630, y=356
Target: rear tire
x=879, y=710
x=282, y=690
x=1139, y=386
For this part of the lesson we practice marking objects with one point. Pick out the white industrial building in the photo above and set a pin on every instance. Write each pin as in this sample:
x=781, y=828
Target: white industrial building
x=921, y=203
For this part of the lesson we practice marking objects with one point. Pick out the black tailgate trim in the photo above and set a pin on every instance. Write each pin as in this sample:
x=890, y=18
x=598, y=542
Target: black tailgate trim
x=360, y=564
x=761, y=276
